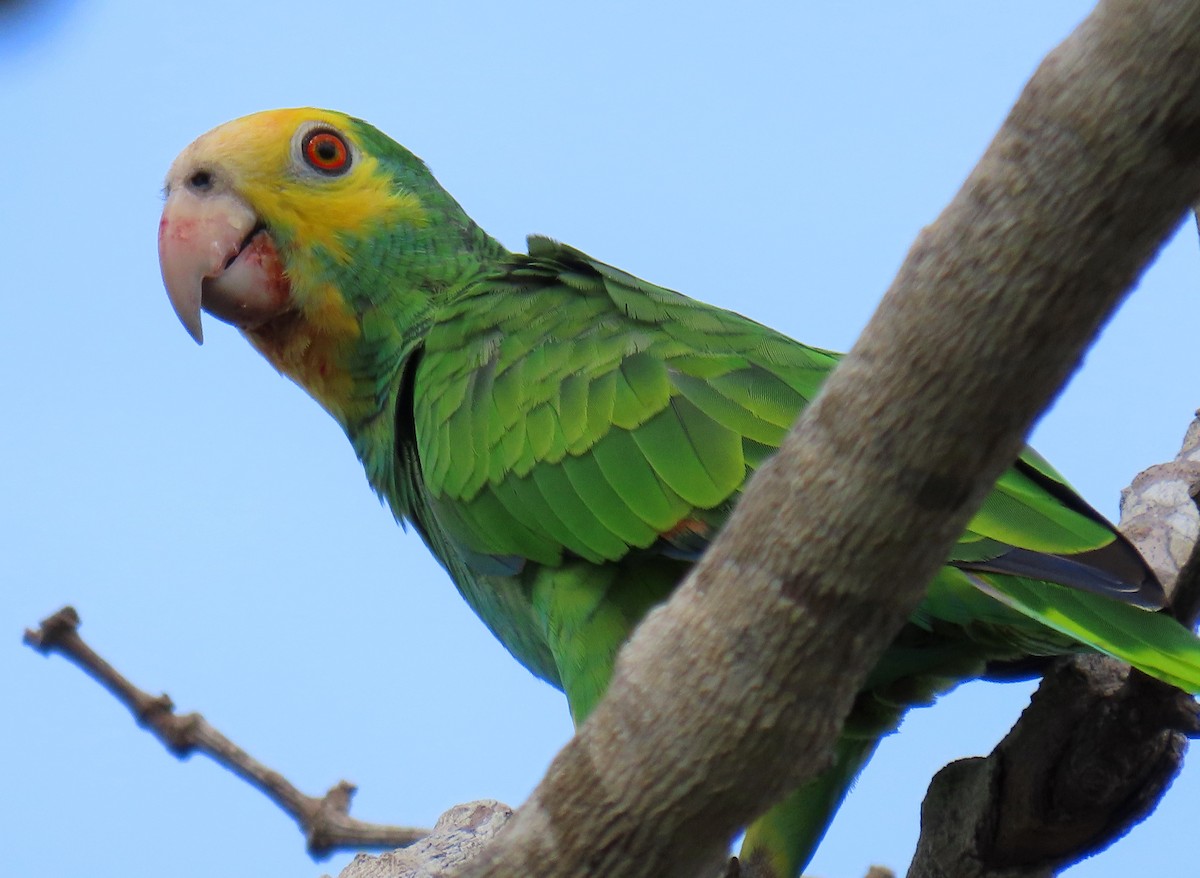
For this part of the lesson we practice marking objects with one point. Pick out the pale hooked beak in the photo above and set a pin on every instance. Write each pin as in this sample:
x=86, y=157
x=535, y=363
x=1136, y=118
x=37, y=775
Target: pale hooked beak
x=215, y=254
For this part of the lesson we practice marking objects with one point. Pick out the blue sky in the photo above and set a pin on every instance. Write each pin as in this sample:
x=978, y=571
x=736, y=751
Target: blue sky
x=210, y=521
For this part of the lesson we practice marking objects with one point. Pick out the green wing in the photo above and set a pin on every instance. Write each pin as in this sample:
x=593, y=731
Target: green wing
x=571, y=410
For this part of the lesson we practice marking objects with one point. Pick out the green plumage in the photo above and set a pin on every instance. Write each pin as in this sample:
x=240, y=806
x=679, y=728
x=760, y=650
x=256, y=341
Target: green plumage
x=582, y=434
x=567, y=439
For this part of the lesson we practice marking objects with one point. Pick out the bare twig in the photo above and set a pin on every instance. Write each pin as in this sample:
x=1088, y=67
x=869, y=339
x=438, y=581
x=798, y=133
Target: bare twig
x=325, y=821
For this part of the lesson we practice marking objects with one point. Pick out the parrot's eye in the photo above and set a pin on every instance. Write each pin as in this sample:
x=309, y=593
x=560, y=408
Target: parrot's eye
x=326, y=152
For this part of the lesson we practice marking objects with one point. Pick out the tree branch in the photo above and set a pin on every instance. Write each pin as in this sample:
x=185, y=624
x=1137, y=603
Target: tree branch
x=325, y=822
x=733, y=693
x=459, y=835
x=1088, y=760
x=1160, y=517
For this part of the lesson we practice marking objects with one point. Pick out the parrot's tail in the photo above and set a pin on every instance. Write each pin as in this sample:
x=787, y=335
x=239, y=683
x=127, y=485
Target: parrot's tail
x=782, y=841
x=1153, y=642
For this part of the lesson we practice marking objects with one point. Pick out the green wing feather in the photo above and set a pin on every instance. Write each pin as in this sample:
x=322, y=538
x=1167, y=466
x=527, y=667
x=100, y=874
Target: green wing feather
x=1153, y=643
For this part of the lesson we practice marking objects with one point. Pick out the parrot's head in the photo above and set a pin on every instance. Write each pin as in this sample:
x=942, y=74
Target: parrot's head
x=316, y=235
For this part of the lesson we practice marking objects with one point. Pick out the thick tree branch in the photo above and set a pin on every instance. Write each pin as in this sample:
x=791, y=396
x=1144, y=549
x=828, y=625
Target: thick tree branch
x=325, y=821
x=1089, y=759
x=734, y=692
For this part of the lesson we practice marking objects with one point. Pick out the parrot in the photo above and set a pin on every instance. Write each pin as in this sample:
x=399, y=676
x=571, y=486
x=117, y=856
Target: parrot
x=567, y=438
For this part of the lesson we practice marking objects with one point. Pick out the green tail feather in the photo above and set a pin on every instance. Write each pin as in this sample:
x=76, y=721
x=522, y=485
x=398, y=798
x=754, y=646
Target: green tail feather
x=1153, y=642
x=782, y=841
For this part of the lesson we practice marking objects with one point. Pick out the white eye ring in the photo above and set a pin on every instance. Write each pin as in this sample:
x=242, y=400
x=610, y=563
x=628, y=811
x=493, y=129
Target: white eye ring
x=319, y=149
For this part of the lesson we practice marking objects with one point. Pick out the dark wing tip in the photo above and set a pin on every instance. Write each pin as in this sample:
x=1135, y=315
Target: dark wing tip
x=1116, y=571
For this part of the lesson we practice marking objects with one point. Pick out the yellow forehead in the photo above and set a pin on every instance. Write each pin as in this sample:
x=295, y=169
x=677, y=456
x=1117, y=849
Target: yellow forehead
x=257, y=153
x=257, y=144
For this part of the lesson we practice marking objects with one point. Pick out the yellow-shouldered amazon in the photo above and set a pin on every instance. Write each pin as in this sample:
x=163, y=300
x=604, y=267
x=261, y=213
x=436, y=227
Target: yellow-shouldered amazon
x=566, y=438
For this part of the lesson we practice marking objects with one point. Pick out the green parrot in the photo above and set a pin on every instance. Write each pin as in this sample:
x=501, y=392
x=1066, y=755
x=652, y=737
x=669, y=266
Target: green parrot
x=567, y=438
